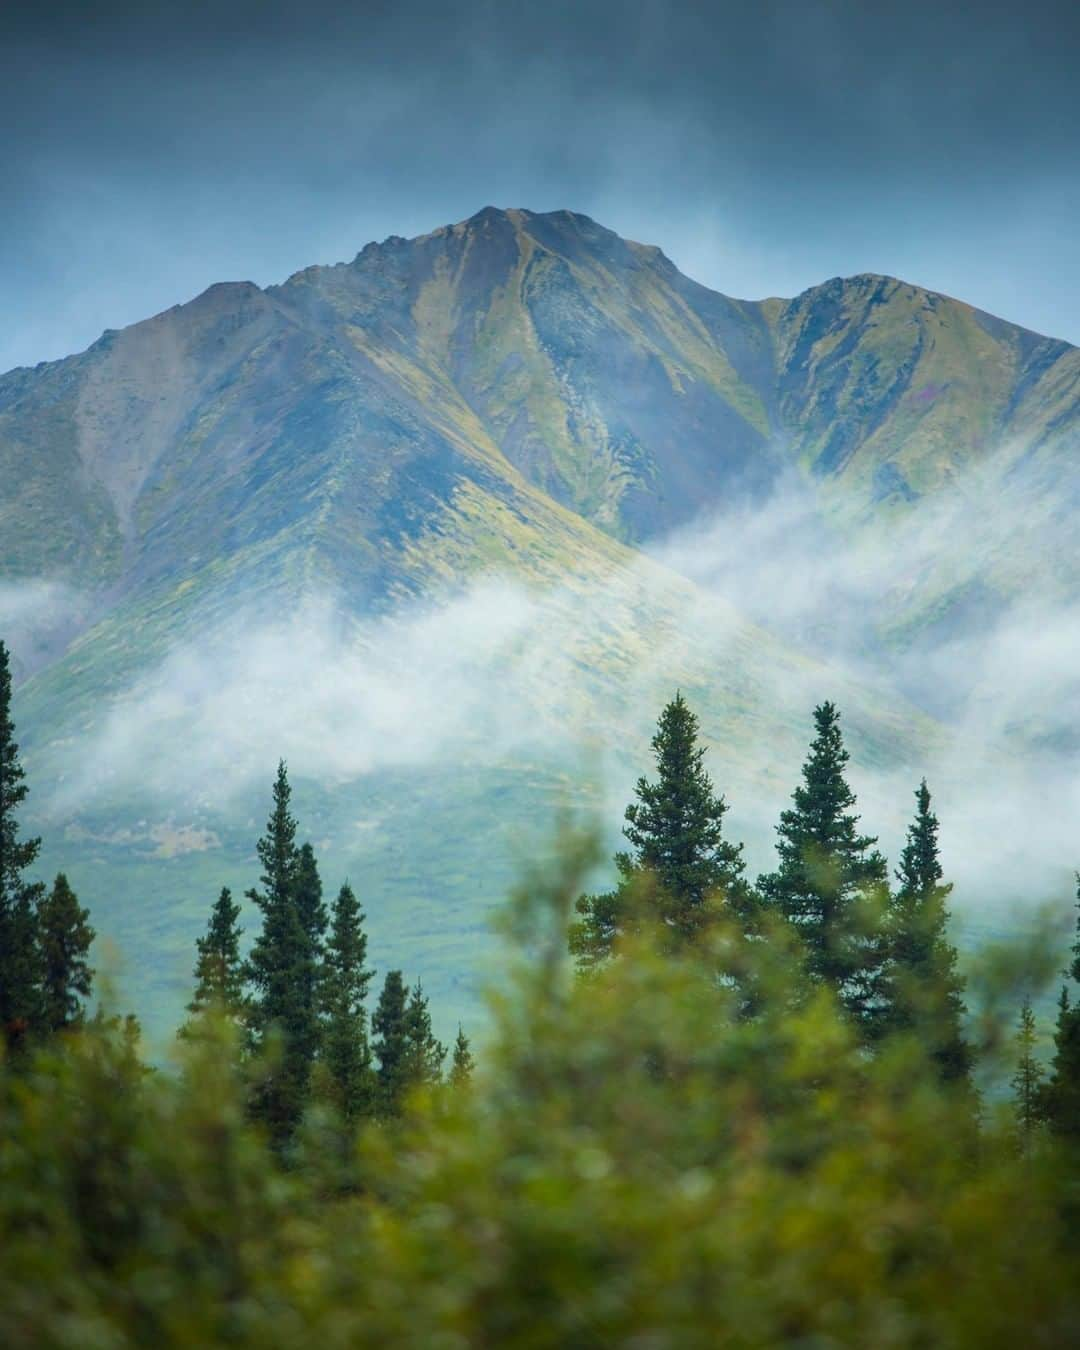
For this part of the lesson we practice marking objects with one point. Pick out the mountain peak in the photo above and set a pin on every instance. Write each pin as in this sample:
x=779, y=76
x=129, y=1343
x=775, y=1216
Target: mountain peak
x=513, y=219
x=542, y=343
x=485, y=391
x=871, y=290
x=487, y=214
x=521, y=215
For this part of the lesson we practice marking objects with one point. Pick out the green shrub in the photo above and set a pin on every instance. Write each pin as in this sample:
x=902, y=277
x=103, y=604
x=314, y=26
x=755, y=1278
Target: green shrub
x=636, y=1163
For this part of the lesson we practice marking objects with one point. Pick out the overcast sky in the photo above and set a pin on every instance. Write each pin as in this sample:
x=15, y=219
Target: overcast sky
x=149, y=150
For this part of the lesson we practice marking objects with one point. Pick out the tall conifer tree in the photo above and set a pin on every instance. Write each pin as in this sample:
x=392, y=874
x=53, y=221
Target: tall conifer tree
x=923, y=993
x=830, y=875
x=312, y=916
x=64, y=937
x=424, y=1055
x=680, y=859
x=219, y=970
x=1062, y=1096
x=277, y=969
x=1027, y=1080
x=347, y=1051
x=20, y=970
x=391, y=1043
x=462, y=1064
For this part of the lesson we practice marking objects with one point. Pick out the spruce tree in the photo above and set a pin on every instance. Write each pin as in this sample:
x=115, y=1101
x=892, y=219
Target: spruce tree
x=424, y=1055
x=347, y=1052
x=1062, y=1096
x=390, y=1044
x=830, y=875
x=1027, y=1081
x=680, y=862
x=462, y=1064
x=64, y=937
x=219, y=970
x=312, y=916
x=277, y=969
x=20, y=966
x=922, y=991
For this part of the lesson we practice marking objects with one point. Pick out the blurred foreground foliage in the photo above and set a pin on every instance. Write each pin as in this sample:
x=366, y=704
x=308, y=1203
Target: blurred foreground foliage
x=636, y=1162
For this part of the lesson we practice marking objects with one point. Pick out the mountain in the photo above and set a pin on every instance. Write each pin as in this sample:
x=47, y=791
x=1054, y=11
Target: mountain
x=521, y=399
x=330, y=423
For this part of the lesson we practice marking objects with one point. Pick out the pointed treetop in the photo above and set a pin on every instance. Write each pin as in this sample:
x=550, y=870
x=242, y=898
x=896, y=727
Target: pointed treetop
x=310, y=908
x=390, y=1043
x=64, y=936
x=218, y=966
x=346, y=1047
x=920, y=871
x=15, y=855
x=830, y=877
x=682, y=872
x=922, y=989
x=424, y=1054
x=820, y=847
x=346, y=949
x=20, y=956
x=1074, y=967
x=676, y=825
x=276, y=850
x=1027, y=1080
x=462, y=1065
x=824, y=797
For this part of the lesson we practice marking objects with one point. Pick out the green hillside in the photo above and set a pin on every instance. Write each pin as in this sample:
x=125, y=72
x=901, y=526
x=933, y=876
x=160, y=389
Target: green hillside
x=516, y=401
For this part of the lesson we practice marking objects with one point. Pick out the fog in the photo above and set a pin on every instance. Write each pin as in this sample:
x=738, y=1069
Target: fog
x=758, y=614
x=999, y=667
x=37, y=619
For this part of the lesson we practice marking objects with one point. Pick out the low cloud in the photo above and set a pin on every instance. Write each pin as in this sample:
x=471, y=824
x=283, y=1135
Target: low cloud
x=969, y=607
x=37, y=619
x=336, y=698
x=501, y=675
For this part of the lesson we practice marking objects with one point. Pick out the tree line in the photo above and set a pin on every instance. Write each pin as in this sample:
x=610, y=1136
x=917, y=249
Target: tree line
x=727, y=1111
x=298, y=998
x=879, y=943
x=45, y=934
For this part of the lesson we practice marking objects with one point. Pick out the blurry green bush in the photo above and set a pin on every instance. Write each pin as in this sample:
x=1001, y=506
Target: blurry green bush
x=635, y=1163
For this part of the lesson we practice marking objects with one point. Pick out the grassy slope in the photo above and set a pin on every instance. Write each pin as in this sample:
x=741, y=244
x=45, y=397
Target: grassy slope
x=910, y=410
x=512, y=395
x=432, y=849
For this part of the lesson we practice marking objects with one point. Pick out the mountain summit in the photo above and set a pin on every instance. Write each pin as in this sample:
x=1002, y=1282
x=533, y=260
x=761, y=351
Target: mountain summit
x=530, y=371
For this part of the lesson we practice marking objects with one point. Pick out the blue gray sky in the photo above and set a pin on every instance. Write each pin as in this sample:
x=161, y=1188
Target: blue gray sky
x=149, y=150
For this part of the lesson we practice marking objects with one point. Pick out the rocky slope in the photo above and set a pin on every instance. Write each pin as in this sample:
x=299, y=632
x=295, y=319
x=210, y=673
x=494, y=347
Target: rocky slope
x=362, y=419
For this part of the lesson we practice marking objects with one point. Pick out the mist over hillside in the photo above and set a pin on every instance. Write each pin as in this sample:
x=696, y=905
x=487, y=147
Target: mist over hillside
x=446, y=525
